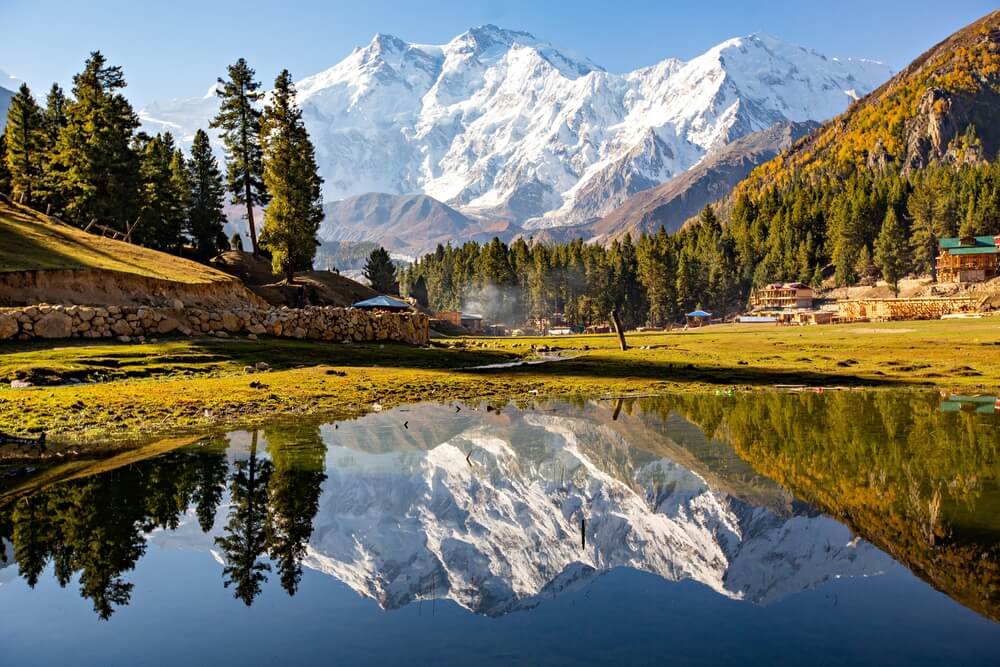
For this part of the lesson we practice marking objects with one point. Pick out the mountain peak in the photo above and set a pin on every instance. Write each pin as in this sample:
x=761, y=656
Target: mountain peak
x=507, y=128
x=384, y=41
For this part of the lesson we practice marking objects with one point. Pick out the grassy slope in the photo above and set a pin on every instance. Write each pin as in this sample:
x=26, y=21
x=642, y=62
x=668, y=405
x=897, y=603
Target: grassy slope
x=29, y=241
x=200, y=383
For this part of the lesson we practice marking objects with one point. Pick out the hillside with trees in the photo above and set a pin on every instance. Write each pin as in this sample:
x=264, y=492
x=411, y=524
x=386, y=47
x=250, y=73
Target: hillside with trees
x=913, y=161
x=81, y=159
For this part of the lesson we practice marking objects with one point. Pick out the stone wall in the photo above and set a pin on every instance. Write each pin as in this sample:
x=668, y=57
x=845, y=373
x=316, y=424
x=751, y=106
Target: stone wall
x=128, y=323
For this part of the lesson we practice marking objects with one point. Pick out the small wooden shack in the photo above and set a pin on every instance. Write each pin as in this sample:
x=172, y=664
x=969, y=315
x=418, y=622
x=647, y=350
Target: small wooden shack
x=471, y=322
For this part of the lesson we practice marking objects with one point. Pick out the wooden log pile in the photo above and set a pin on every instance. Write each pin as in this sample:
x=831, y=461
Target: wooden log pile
x=917, y=308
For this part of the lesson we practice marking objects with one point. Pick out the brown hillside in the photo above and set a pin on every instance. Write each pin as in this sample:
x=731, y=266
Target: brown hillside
x=918, y=117
x=44, y=260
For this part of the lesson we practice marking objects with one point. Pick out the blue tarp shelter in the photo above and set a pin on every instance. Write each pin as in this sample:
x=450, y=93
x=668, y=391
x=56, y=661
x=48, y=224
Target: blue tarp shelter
x=382, y=302
x=697, y=318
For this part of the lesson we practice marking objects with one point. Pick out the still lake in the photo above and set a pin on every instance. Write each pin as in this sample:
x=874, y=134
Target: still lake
x=760, y=528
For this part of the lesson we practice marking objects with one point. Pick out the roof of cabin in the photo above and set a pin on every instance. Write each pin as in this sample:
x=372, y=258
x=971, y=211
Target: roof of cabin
x=954, y=242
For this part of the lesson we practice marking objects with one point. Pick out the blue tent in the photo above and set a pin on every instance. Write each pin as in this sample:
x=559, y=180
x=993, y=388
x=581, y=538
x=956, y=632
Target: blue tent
x=698, y=313
x=382, y=302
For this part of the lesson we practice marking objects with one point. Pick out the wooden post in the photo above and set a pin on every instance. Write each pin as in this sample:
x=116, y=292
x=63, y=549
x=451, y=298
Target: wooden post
x=90, y=224
x=618, y=329
x=131, y=228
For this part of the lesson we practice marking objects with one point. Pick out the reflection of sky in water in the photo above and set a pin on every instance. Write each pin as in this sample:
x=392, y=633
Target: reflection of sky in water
x=689, y=553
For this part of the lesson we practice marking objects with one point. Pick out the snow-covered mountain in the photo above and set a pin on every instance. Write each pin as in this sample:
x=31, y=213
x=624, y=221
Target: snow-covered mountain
x=502, y=124
x=485, y=509
x=8, y=88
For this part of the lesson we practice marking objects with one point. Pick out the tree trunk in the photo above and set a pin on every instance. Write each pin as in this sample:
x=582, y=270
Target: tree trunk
x=618, y=330
x=253, y=228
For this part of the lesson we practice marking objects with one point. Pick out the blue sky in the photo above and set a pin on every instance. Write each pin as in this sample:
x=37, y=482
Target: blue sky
x=177, y=48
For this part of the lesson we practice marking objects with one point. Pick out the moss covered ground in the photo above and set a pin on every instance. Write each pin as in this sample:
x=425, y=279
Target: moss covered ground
x=92, y=393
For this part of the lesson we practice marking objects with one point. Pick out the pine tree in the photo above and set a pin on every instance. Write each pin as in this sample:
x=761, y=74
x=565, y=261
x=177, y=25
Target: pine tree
x=924, y=233
x=291, y=176
x=97, y=171
x=863, y=265
x=380, y=271
x=55, y=120
x=55, y=113
x=206, y=219
x=418, y=290
x=4, y=171
x=163, y=214
x=25, y=139
x=890, y=248
x=236, y=242
x=240, y=122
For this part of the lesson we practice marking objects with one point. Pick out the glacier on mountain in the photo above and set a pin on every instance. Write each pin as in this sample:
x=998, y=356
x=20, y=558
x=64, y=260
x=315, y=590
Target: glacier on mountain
x=500, y=124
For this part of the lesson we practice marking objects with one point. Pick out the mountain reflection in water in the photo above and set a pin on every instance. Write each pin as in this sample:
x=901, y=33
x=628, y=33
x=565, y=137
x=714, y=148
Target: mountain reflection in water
x=485, y=506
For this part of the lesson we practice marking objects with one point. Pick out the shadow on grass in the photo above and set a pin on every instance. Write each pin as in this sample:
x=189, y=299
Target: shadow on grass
x=207, y=355
x=614, y=368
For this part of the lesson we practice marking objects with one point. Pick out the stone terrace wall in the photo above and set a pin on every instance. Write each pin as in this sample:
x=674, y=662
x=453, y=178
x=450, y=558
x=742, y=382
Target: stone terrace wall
x=127, y=323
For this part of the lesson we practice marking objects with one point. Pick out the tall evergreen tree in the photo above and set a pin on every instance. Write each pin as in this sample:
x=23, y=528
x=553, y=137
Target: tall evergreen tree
x=418, y=290
x=292, y=179
x=163, y=213
x=4, y=171
x=206, y=219
x=26, y=145
x=890, y=250
x=924, y=228
x=55, y=113
x=55, y=120
x=380, y=271
x=240, y=123
x=96, y=168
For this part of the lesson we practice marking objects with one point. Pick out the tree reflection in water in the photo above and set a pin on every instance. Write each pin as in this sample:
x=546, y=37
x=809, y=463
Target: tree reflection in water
x=920, y=482
x=96, y=527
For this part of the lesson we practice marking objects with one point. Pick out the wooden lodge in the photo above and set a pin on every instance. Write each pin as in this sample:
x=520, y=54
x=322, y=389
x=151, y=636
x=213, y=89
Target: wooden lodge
x=782, y=296
x=967, y=259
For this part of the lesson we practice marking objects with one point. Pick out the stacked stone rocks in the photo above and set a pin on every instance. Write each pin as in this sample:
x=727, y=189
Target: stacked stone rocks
x=314, y=323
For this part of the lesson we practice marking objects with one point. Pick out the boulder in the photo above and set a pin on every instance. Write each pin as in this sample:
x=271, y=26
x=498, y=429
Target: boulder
x=8, y=326
x=167, y=324
x=230, y=322
x=121, y=327
x=54, y=324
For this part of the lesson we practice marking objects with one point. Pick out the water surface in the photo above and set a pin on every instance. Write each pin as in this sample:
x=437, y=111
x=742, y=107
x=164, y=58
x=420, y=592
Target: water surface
x=759, y=528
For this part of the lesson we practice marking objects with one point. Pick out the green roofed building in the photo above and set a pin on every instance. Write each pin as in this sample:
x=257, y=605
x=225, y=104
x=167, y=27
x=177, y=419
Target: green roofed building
x=967, y=259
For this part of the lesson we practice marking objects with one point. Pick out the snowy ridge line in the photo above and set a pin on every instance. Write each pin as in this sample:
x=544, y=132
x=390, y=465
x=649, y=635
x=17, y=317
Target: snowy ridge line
x=499, y=124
